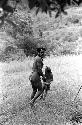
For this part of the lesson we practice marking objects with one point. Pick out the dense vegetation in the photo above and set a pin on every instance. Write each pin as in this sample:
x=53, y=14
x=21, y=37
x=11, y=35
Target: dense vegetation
x=27, y=31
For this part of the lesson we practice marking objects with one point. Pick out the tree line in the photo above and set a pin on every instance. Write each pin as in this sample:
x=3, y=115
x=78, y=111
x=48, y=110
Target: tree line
x=43, y=5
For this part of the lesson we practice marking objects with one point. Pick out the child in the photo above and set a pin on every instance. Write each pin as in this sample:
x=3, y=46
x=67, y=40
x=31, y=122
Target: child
x=49, y=79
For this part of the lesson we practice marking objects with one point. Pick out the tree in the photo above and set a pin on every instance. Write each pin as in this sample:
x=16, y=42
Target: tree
x=46, y=6
x=52, y=5
x=43, y=5
x=5, y=9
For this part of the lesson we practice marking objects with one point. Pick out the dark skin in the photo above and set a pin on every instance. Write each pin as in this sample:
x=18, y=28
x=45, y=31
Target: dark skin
x=49, y=78
x=37, y=91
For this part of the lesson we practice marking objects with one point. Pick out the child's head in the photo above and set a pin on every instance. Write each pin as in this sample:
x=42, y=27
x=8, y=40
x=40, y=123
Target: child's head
x=41, y=51
x=47, y=70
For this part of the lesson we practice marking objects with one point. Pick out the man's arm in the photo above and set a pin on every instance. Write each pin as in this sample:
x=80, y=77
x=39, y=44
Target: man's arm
x=43, y=76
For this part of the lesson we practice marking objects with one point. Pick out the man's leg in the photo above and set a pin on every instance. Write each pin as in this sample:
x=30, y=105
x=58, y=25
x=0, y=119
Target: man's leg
x=39, y=92
x=34, y=90
x=33, y=93
x=36, y=96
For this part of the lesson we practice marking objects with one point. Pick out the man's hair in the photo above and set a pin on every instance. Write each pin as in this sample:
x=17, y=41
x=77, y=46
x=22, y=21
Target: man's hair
x=41, y=48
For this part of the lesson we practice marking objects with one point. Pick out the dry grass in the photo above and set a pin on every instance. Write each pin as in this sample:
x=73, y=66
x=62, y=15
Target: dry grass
x=57, y=107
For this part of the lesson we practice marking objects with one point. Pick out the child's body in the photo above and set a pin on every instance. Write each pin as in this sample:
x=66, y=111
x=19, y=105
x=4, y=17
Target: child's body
x=49, y=79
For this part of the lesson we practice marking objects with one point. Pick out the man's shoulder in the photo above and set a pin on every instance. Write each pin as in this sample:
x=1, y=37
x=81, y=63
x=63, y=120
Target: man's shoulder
x=37, y=58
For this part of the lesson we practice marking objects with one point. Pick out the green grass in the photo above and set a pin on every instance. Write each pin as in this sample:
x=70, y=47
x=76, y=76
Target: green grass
x=58, y=105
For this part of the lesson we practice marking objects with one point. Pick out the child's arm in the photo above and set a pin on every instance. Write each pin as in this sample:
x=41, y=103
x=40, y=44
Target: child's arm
x=43, y=77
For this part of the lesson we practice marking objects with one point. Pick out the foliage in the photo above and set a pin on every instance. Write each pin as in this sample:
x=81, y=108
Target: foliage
x=19, y=27
x=44, y=5
x=52, y=5
x=30, y=31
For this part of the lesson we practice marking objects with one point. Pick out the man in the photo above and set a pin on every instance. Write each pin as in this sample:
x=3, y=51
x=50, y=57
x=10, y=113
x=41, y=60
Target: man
x=35, y=77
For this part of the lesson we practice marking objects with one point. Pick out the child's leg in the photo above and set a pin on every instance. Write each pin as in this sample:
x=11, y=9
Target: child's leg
x=47, y=88
x=43, y=87
x=45, y=93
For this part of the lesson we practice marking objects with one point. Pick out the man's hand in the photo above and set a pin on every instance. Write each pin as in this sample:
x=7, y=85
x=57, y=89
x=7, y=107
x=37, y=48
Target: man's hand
x=44, y=79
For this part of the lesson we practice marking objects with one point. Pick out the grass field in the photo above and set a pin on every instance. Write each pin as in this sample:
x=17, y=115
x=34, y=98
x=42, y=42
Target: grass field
x=58, y=106
x=15, y=90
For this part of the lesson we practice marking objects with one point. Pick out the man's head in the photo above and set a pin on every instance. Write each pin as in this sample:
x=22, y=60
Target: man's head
x=41, y=51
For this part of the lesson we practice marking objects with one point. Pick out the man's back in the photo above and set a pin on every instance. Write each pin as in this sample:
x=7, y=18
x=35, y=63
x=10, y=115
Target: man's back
x=38, y=64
